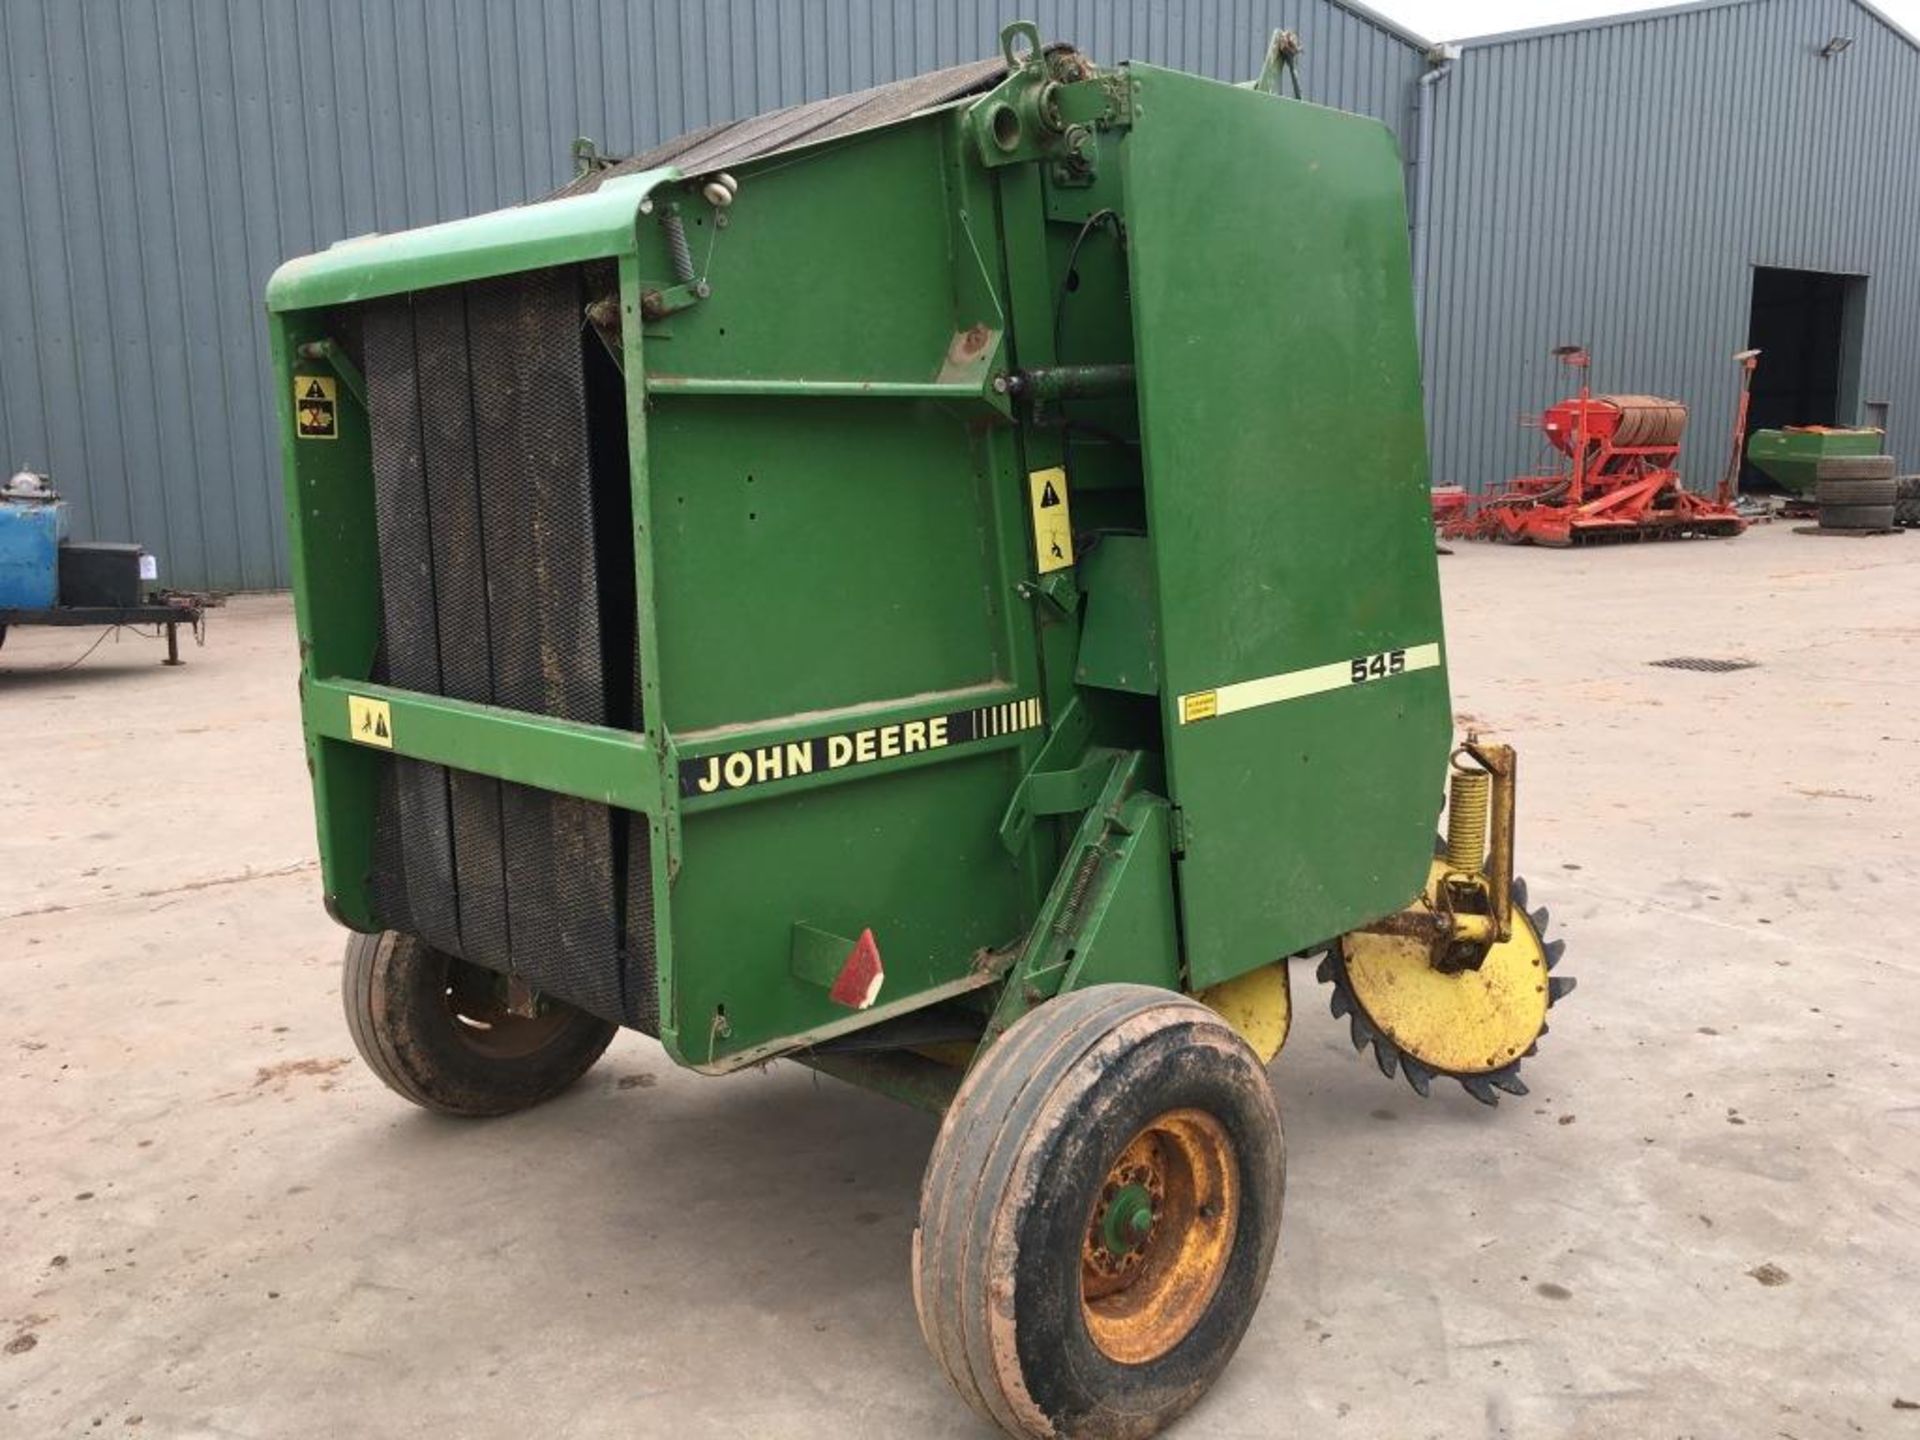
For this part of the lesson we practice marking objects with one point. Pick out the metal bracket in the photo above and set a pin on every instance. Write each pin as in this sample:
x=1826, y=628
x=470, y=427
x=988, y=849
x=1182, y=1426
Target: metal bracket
x=817, y=955
x=1462, y=913
x=1056, y=596
x=1116, y=850
x=1048, y=107
x=1060, y=756
x=604, y=316
x=1053, y=942
x=1018, y=58
x=1067, y=792
x=1283, y=56
x=658, y=304
x=521, y=998
x=588, y=158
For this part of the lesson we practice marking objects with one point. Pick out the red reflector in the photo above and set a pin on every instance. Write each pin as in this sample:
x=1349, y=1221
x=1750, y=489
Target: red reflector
x=858, y=984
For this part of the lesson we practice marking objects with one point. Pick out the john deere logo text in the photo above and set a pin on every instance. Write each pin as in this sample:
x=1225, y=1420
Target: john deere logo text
x=790, y=759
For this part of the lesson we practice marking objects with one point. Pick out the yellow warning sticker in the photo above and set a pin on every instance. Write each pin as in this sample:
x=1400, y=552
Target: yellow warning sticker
x=1201, y=705
x=316, y=411
x=1052, y=527
x=371, y=721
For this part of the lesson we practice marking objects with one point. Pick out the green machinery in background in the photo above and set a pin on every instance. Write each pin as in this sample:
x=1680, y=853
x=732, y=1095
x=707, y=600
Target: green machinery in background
x=1791, y=456
x=936, y=585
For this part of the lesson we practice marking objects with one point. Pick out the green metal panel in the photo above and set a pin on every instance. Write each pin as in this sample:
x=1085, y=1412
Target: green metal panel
x=594, y=762
x=1279, y=395
x=1792, y=456
x=1120, y=637
x=912, y=855
x=837, y=531
x=525, y=237
x=336, y=609
x=871, y=575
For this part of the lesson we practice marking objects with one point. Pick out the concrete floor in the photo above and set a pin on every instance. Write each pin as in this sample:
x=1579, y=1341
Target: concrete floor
x=217, y=1223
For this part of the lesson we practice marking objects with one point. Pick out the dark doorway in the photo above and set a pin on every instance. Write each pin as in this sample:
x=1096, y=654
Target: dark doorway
x=1806, y=324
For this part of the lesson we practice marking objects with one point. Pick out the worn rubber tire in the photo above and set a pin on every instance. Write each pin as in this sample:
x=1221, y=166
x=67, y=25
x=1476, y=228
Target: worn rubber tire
x=395, y=987
x=1856, y=517
x=1906, y=500
x=1854, y=467
x=1879, y=490
x=1009, y=1193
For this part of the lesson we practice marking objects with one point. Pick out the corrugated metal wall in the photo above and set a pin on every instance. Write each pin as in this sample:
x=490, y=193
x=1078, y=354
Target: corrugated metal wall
x=1614, y=185
x=1610, y=184
x=159, y=157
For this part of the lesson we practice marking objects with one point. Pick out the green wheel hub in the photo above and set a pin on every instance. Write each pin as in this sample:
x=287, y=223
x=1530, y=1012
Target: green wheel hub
x=1129, y=1220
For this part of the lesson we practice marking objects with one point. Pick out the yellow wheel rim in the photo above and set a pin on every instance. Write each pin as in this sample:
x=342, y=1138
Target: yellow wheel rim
x=1469, y=1023
x=1159, y=1237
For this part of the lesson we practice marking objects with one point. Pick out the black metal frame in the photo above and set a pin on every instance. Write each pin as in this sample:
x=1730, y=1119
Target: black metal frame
x=171, y=616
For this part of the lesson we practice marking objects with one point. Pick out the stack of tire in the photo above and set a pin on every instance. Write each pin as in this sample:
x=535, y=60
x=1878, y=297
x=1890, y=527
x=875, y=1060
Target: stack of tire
x=1906, y=501
x=1856, y=492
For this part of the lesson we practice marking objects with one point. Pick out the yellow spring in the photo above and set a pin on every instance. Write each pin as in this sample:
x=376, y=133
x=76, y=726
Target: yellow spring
x=1467, y=819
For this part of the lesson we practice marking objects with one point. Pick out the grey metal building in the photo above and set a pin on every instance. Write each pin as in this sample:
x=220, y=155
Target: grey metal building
x=1668, y=188
x=1658, y=186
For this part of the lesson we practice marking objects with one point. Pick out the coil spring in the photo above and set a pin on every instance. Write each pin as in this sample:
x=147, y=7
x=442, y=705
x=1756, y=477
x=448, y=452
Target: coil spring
x=678, y=251
x=1467, y=805
x=1077, y=892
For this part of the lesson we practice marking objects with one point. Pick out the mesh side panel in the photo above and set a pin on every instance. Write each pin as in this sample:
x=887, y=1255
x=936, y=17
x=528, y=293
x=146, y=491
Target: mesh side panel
x=460, y=610
x=388, y=884
x=488, y=524
x=424, y=824
x=642, y=969
x=560, y=889
x=536, y=520
x=530, y=426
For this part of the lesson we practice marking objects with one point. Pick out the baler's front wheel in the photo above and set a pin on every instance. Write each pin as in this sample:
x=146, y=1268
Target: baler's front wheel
x=437, y=1030
x=1099, y=1214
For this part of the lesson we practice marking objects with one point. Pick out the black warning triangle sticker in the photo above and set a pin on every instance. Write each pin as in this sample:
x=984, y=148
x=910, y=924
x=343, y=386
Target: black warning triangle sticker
x=314, y=392
x=1049, y=497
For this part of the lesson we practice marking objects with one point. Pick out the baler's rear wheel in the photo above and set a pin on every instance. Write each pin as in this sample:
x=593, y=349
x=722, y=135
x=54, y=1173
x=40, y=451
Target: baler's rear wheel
x=437, y=1030
x=1099, y=1214
x=1474, y=1026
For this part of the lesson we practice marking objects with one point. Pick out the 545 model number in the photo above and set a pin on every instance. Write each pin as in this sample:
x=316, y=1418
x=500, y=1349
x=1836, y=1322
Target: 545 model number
x=1378, y=667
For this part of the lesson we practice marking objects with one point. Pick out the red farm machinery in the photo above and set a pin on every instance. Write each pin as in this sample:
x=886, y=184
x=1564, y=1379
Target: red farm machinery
x=1619, y=480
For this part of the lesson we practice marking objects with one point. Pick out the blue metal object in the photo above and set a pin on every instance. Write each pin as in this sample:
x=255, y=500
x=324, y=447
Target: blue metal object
x=30, y=536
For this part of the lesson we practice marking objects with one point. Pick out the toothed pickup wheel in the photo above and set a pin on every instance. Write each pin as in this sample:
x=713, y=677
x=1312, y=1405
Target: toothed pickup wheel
x=1474, y=1026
